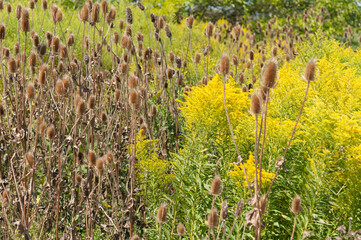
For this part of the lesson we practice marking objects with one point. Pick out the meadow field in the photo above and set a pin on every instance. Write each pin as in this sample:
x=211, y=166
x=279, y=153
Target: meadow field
x=136, y=120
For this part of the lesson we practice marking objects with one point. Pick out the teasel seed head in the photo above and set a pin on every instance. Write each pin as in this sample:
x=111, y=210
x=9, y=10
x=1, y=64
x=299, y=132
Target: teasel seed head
x=224, y=210
x=296, y=205
x=59, y=16
x=12, y=65
x=128, y=30
x=162, y=213
x=239, y=208
x=167, y=31
x=140, y=6
x=18, y=11
x=109, y=158
x=133, y=82
x=68, y=85
x=8, y=8
x=160, y=22
x=30, y=91
x=63, y=51
x=209, y=29
x=180, y=229
x=190, y=21
x=55, y=43
x=153, y=111
x=170, y=73
x=2, y=31
x=235, y=60
x=241, y=78
x=80, y=107
x=213, y=218
x=95, y=13
x=59, y=88
x=25, y=24
x=92, y=158
x=104, y=5
x=78, y=178
x=129, y=15
x=270, y=74
x=153, y=18
x=36, y=40
x=224, y=66
x=134, y=98
x=29, y=158
x=32, y=59
x=197, y=58
x=91, y=102
x=84, y=13
x=256, y=106
x=135, y=237
x=50, y=132
x=43, y=74
x=116, y=37
x=310, y=70
x=100, y=164
x=263, y=205
x=45, y=5
x=70, y=40
x=216, y=187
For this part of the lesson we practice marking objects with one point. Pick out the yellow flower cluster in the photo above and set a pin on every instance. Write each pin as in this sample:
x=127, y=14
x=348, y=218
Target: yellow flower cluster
x=238, y=176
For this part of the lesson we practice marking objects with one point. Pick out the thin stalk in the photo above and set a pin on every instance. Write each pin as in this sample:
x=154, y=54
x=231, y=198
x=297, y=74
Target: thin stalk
x=294, y=227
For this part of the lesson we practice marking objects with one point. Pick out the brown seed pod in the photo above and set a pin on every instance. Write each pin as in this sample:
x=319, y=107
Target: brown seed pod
x=133, y=97
x=116, y=37
x=224, y=210
x=92, y=158
x=197, y=58
x=190, y=21
x=296, y=205
x=50, y=132
x=29, y=158
x=129, y=15
x=30, y=91
x=55, y=43
x=45, y=5
x=160, y=22
x=162, y=213
x=70, y=40
x=18, y=11
x=209, y=30
x=32, y=59
x=84, y=13
x=181, y=229
x=170, y=73
x=43, y=74
x=8, y=8
x=167, y=31
x=100, y=164
x=36, y=40
x=310, y=70
x=213, y=218
x=224, y=66
x=12, y=65
x=59, y=88
x=255, y=104
x=80, y=107
x=78, y=179
x=235, y=60
x=216, y=187
x=140, y=6
x=239, y=208
x=25, y=24
x=95, y=13
x=104, y=6
x=91, y=102
x=270, y=74
x=133, y=82
x=2, y=31
x=68, y=85
x=241, y=78
x=59, y=16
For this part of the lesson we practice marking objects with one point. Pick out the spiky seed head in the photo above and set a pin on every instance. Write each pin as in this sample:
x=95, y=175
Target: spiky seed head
x=2, y=31
x=50, y=132
x=239, y=208
x=181, y=229
x=25, y=23
x=100, y=164
x=224, y=210
x=70, y=40
x=255, y=104
x=59, y=16
x=235, y=60
x=12, y=65
x=30, y=91
x=270, y=74
x=43, y=74
x=160, y=23
x=109, y=158
x=133, y=97
x=78, y=178
x=67, y=82
x=129, y=15
x=213, y=218
x=80, y=107
x=8, y=8
x=91, y=102
x=216, y=187
x=45, y=5
x=162, y=213
x=153, y=111
x=92, y=158
x=224, y=66
x=209, y=29
x=32, y=59
x=140, y=6
x=55, y=43
x=133, y=82
x=310, y=70
x=296, y=205
x=135, y=237
x=18, y=11
x=167, y=31
x=95, y=13
x=29, y=158
x=104, y=5
x=59, y=88
x=190, y=21
x=84, y=13
x=197, y=58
